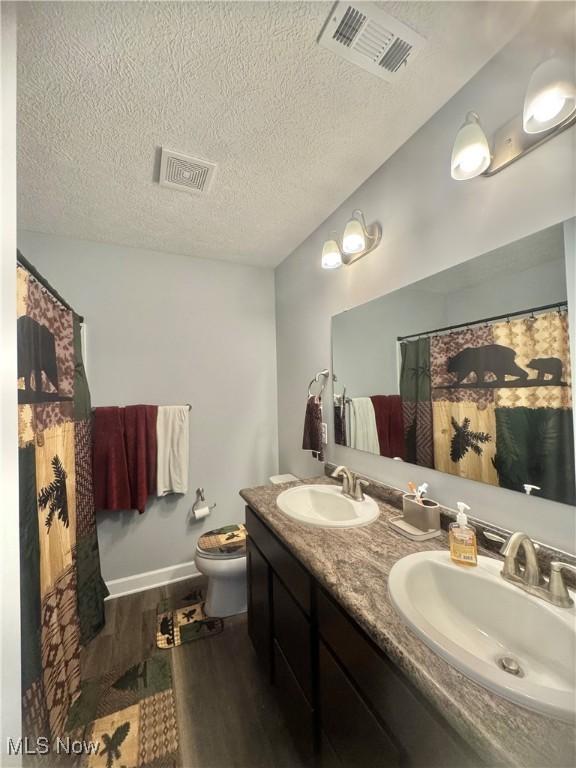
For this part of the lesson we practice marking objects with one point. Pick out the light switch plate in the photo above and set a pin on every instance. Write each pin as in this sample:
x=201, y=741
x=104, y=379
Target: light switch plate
x=325, y=433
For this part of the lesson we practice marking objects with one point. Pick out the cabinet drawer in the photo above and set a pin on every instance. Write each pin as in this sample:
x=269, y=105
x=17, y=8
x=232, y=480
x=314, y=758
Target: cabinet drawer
x=357, y=739
x=297, y=711
x=425, y=738
x=292, y=631
x=294, y=576
x=259, y=605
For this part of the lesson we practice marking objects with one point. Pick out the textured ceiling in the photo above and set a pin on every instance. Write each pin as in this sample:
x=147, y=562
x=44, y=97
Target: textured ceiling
x=294, y=128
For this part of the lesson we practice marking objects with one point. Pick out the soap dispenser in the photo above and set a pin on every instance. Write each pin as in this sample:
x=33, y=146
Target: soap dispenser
x=462, y=538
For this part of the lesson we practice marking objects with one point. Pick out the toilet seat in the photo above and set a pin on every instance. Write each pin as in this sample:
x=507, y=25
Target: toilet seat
x=226, y=543
x=221, y=556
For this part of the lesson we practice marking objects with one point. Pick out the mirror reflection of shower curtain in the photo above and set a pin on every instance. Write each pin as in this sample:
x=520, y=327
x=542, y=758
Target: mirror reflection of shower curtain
x=62, y=590
x=502, y=407
x=534, y=423
x=417, y=402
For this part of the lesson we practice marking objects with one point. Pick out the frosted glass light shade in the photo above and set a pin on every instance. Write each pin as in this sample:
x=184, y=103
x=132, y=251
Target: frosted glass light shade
x=550, y=97
x=331, y=255
x=354, y=240
x=471, y=153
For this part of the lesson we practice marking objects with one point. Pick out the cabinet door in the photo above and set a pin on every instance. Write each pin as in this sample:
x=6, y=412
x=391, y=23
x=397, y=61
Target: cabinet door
x=355, y=735
x=259, y=580
x=297, y=711
x=292, y=573
x=426, y=740
x=293, y=634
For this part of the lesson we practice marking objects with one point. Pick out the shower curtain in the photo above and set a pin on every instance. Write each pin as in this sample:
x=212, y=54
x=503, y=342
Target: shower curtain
x=62, y=591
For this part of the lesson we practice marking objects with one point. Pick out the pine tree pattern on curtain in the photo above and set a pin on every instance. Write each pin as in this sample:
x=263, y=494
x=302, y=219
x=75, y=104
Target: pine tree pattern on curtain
x=62, y=589
x=464, y=419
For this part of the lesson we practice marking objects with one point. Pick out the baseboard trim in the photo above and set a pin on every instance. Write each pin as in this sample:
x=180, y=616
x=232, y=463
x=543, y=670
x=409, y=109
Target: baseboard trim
x=129, y=585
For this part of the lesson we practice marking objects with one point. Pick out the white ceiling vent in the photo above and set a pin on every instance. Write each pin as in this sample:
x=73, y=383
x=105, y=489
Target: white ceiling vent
x=188, y=174
x=370, y=38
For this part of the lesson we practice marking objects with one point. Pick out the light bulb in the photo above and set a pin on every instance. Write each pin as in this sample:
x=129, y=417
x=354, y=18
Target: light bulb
x=354, y=240
x=471, y=153
x=550, y=96
x=471, y=158
x=547, y=105
x=331, y=255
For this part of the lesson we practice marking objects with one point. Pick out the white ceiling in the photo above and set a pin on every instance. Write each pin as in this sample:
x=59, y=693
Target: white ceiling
x=294, y=128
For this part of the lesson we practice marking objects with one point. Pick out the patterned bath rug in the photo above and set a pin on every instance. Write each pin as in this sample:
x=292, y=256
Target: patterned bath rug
x=127, y=718
x=184, y=622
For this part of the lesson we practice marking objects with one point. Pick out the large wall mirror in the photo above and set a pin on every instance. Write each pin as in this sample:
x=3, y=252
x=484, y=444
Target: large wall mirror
x=467, y=371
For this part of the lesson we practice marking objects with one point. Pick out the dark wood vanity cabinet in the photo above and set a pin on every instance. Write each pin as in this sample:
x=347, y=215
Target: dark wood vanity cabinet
x=259, y=604
x=346, y=703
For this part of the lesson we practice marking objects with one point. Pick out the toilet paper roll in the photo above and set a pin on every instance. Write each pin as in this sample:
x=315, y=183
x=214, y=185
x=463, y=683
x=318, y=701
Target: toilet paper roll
x=201, y=512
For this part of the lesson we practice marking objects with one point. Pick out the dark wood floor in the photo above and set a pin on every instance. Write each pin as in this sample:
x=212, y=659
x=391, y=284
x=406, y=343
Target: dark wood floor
x=227, y=715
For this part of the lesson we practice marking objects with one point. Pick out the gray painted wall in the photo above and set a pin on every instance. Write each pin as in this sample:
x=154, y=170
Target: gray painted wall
x=365, y=354
x=540, y=285
x=430, y=223
x=168, y=329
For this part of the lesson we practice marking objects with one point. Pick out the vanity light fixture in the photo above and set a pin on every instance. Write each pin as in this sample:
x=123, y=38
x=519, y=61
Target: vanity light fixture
x=549, y=108
x=550, y=97
x=358, y=240
x=354, y=239
x=471, y=152
x=331, y=255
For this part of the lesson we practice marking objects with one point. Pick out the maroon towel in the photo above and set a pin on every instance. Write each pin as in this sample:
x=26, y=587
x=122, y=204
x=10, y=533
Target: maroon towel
x=389, y=424
x=141, y=452
x=111, y=482
x=312, y=438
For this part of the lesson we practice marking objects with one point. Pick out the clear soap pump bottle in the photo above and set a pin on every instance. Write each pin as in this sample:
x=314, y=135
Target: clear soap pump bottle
x=462, y=538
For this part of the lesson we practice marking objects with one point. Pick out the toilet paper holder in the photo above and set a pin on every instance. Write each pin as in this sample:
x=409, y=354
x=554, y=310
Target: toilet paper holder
x=200, y=498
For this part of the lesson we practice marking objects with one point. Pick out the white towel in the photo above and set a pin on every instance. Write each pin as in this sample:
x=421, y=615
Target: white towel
x=172, y=428
x=363, y=432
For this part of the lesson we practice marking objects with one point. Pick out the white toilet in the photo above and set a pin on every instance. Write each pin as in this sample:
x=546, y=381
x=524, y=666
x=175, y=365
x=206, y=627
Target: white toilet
x=221, y=555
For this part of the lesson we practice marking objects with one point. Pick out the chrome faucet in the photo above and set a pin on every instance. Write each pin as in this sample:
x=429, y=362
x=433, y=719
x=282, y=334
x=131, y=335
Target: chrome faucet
x=529, y=579
x=352, y=485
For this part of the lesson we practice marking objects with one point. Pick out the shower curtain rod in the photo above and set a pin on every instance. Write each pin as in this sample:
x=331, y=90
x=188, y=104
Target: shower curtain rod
x=508, y=315
x=42, y=280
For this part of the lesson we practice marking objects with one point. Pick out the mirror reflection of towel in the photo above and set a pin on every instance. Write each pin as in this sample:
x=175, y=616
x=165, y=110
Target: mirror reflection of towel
x=363, y=432
x=312, y=438
x=389, y=424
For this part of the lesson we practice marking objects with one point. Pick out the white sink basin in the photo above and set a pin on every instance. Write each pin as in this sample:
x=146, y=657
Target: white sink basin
x=326, y=507
x=472, y=618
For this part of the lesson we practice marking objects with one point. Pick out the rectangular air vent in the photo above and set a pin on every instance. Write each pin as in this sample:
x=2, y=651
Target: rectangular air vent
x=370, y=38
x=188, y=174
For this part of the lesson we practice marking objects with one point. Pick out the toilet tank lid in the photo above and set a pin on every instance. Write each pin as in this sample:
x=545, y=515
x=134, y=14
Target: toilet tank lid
x=228, y=541
x=278, y=479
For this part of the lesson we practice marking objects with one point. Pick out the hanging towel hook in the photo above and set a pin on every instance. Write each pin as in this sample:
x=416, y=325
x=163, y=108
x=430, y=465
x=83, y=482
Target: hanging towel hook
x=316, y=380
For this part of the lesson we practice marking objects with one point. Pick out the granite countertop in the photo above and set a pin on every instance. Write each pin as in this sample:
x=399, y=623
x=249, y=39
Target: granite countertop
x=353, y=565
